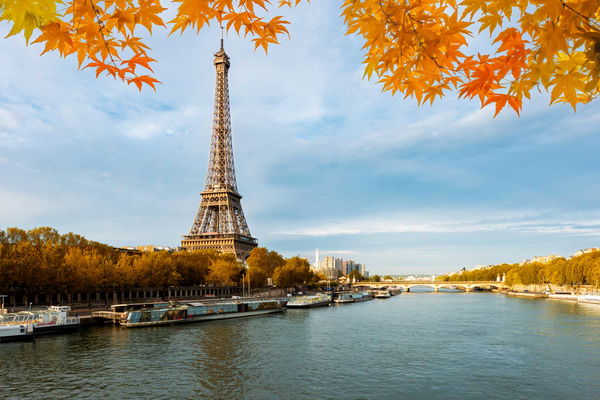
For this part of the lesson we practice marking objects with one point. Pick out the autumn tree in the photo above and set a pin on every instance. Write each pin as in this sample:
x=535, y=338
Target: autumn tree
x=193, y=266
x=43, y=261
x=295, y=272
x=583, y=269
x=225, y=271
x=424, y=49
x=262, y=264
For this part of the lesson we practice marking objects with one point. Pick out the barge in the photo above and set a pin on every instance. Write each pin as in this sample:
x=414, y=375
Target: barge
x=563, y=296
x=382, y=294
x=318, y=300
x=530, y=295
x=589, y=298
x=344, y=298
x=362, y=296
x=180, y=313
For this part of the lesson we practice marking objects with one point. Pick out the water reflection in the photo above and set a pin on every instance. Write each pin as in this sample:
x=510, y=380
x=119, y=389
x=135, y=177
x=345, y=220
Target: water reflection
x=221, y=359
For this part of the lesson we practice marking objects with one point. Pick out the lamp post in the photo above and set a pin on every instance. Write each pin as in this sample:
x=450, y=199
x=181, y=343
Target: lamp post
x=14, y=298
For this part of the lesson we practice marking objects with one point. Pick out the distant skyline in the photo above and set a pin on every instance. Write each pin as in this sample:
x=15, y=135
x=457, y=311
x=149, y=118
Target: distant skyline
x=323, y=158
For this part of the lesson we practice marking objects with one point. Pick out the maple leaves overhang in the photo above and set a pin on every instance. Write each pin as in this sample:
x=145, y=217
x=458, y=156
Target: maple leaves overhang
x=418, y=48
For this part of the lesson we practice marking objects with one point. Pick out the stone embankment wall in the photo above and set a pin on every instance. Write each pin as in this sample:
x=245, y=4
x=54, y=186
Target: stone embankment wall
x=581, y=289
x=103, y=299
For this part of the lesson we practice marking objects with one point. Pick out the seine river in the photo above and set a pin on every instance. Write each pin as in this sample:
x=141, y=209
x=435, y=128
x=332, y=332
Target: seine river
x=412, y=346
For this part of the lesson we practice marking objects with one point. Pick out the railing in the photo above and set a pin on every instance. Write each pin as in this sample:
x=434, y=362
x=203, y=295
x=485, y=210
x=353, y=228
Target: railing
x=109, y=315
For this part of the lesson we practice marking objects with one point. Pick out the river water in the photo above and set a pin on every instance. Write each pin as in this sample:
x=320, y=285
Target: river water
x=412, y=346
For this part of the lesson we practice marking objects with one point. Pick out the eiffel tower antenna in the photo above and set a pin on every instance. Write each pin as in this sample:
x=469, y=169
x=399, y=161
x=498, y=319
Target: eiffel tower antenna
x=222, y=34
x=220, y=223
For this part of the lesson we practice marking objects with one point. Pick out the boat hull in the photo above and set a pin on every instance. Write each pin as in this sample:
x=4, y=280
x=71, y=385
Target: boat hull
x=589, y=299
x=571, y=297
x=51, y=329
x=15, y=333
x=313, y=305
x=202, y=318
x=17, y=338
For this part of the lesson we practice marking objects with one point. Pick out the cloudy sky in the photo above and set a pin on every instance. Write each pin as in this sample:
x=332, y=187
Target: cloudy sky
x=324, y=159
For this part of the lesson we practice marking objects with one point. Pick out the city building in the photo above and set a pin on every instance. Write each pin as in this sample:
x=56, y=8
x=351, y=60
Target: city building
x=586, y=251
x=541, y=259
x=151, y=249
x=332, y=267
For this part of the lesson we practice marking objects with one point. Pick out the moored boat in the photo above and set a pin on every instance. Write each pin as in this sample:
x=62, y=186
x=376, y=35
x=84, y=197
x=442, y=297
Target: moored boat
x=54, y=319
x=589, y=298
x=563, y=296
x=318, y=300
x=362, y=296
x=382, y=294
x=344, y=298
x=534, y=295
x=179, y=313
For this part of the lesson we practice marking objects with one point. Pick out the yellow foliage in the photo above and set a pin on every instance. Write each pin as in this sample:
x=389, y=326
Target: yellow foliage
x=420, y=48
x=27, y=15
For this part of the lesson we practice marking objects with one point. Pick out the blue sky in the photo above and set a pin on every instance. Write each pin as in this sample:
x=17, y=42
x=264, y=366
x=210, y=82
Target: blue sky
x=324, y=159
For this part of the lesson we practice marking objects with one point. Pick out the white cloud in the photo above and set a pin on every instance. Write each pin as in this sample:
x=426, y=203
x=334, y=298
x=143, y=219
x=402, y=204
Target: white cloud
x=15, y=206
x=141, y=124
x=527, y=222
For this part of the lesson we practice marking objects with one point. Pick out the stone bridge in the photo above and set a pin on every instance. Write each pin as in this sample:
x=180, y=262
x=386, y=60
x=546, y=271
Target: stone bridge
x=467, y=286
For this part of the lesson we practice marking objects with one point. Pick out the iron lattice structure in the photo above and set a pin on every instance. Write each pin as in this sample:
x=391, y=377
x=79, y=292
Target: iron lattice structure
x=220, y=223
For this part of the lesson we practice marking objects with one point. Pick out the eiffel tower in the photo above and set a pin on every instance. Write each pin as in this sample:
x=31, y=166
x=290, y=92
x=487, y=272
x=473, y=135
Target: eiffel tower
x=220, y=223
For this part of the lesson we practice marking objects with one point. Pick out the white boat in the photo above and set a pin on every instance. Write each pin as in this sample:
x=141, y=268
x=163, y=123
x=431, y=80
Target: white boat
x=382, y=294
x=589, y=298
x=319, y=300
x=13, y=333
x=562, y=296
x=344, y=298
x=53, y=319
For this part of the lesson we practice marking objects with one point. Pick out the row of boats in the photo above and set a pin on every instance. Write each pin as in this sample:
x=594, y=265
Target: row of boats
x=321, y=300
x=25, y=325
x=584, y=298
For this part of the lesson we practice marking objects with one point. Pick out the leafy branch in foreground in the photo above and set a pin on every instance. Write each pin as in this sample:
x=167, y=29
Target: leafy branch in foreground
x=424, y=49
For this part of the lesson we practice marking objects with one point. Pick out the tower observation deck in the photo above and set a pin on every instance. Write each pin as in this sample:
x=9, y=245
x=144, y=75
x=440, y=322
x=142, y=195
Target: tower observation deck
x=220, y=223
